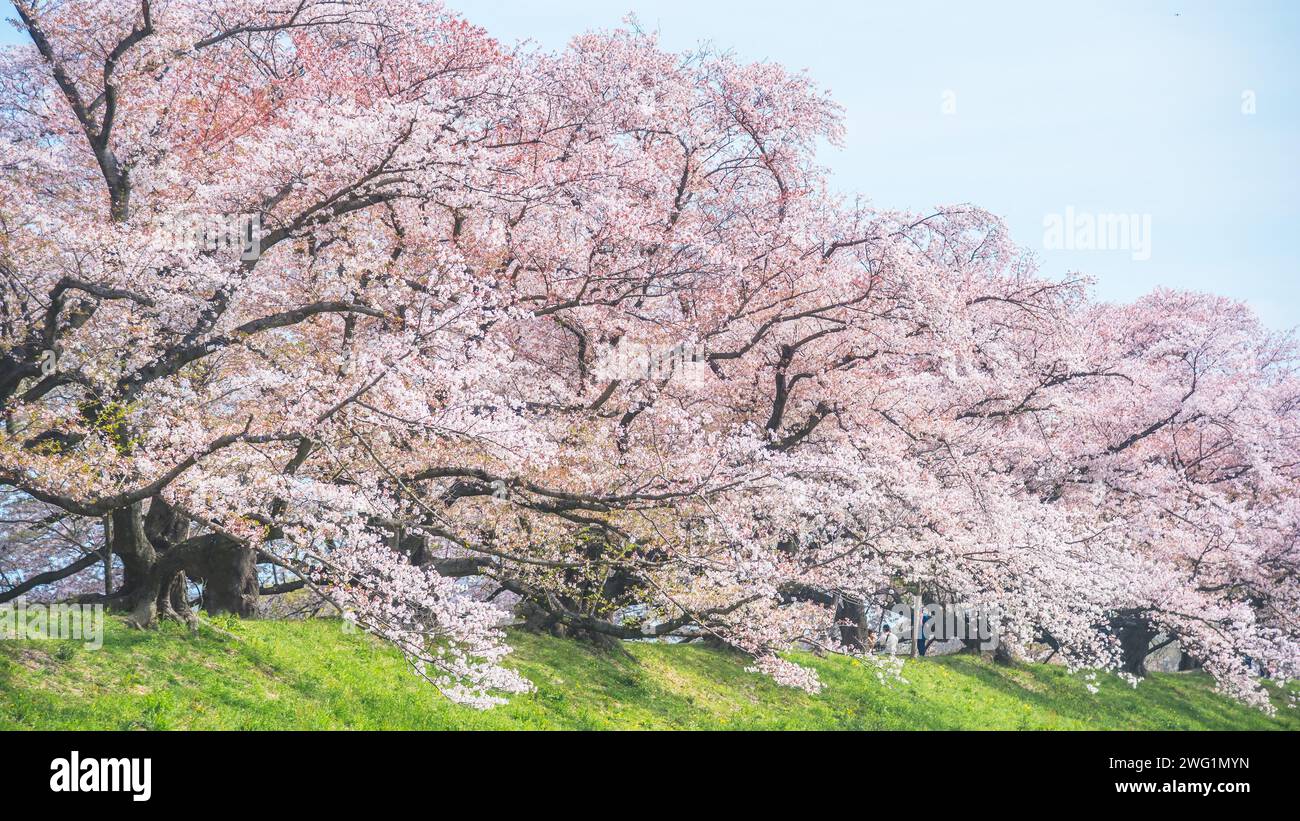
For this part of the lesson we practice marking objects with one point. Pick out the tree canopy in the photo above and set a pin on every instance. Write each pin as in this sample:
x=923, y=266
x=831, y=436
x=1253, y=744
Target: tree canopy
x=587, y=330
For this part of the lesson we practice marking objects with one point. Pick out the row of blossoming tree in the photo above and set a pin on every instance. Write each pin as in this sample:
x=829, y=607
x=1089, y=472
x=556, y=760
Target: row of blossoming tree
x=417, y=383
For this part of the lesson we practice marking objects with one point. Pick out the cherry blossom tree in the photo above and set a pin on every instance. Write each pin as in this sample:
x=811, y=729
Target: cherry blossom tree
x=434, y=325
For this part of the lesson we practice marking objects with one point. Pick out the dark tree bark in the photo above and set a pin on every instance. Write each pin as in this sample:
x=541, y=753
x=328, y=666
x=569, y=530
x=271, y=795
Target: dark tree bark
x=972, y=641
x=135, y=550
x=162, y=591
x=174, y=601
x=159, y=556
x=108, y=554
x=849, y=616
x=228, y=571
x=163, y=526
x=1135, y=634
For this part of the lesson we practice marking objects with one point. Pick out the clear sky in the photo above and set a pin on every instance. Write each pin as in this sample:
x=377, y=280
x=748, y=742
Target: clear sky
x=1030, y=108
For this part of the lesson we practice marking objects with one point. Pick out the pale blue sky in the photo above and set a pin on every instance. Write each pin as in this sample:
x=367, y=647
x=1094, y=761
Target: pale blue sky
x=1106, y=107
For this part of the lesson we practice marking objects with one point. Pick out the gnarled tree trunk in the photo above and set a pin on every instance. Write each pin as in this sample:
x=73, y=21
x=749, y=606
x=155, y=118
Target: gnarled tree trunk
x=158, y=557
x=228, y=570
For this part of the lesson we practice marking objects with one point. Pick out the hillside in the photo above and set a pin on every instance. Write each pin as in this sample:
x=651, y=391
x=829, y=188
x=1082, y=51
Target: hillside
x=313, y=675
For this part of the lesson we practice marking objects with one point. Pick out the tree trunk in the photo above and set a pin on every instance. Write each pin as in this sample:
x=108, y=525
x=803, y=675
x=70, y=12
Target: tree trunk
x=108, y=554
x=917, y=613
x=164, y=526
x=972, y=641
x=1135, y=642
x=135, y=550
x=229, y=571
x=158, y=557
x=849, y=616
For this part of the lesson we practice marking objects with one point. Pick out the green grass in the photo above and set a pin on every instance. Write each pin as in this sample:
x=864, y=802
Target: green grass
x=313, y=675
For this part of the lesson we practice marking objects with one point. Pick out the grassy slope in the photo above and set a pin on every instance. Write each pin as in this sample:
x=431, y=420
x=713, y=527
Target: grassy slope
x=311, y=675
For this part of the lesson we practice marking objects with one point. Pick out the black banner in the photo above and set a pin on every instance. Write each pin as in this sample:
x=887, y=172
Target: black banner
x=144, y=772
